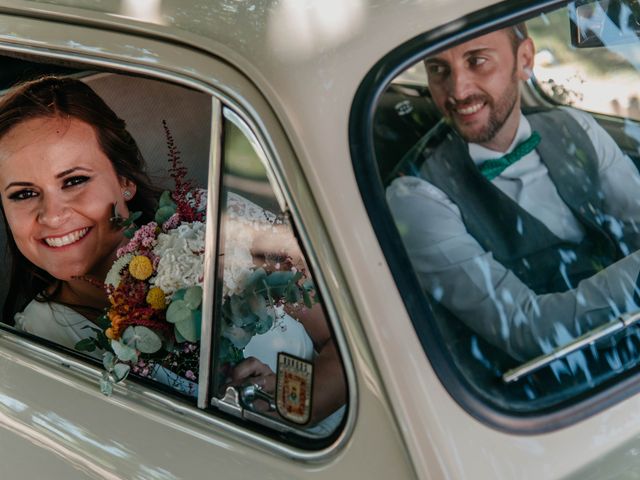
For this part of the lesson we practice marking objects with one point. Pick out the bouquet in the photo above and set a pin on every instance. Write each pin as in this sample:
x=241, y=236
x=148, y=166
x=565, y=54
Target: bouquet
x=152, y=326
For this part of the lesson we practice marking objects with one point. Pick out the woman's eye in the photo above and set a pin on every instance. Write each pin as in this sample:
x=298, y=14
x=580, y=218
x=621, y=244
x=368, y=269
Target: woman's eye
x=73, y=181
x=22, y=195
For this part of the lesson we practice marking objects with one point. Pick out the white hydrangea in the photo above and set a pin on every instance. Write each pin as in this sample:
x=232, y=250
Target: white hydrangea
x=181, y=258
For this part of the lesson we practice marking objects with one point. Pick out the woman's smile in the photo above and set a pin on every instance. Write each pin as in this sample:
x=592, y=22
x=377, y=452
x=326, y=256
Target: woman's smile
x=66, y=239
x=58, y=190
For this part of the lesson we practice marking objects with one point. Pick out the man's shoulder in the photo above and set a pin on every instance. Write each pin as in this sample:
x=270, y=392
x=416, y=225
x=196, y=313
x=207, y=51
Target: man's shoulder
x=561, y=113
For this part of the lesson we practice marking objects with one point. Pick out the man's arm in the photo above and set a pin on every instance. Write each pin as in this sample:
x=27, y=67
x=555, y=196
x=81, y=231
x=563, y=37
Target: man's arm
x=456, y=271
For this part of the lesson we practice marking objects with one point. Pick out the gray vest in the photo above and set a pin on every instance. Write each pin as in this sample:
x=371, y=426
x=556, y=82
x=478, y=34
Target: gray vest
x=517, y=239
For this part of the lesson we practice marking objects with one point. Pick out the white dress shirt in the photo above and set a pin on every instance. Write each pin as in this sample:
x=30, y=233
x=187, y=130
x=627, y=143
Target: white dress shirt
x=455, y=269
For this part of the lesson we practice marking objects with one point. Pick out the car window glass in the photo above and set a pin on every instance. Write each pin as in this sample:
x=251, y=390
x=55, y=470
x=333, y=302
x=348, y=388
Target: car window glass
x=517, y=213
x=275, y=343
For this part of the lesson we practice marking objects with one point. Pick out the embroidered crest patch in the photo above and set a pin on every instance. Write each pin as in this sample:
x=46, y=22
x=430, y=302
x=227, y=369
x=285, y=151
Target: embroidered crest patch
x=294, y=380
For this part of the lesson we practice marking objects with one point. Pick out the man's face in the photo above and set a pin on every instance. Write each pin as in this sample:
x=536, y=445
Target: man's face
x=476, y=85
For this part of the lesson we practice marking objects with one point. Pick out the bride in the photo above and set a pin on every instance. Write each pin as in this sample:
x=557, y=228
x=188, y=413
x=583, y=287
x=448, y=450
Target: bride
x=66, y=160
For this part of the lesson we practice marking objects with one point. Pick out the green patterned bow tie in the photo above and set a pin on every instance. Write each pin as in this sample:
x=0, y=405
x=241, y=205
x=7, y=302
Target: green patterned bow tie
x=492, y=168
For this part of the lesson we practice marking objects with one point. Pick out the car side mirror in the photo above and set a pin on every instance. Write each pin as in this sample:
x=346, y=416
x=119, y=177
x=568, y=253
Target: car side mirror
x=602, y=23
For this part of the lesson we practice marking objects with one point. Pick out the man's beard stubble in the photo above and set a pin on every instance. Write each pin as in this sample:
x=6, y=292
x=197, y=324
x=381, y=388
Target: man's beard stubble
x=500, y=112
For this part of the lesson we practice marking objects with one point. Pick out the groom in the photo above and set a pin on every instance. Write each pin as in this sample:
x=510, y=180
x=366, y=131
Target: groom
x=524, y=227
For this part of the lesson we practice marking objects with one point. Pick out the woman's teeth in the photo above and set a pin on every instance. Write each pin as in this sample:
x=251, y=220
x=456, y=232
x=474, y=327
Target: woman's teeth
x=68, y=239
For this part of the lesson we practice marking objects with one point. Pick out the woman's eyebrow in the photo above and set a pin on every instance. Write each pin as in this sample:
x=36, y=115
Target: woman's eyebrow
x=72, y=170
x=18, y=184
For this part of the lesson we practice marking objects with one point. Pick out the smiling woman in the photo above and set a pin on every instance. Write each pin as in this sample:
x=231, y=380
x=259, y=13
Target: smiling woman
x=66, y=160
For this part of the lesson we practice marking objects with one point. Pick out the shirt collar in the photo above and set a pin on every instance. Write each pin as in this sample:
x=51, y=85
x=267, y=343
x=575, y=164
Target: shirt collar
x=479, y=154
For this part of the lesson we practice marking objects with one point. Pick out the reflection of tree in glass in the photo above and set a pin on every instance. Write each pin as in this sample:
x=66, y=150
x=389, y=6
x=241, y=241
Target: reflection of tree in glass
x=561, y=93
x=551, y=31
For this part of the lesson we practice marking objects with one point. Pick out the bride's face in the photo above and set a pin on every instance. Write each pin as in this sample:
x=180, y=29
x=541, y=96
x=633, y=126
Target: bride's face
x=58, y=189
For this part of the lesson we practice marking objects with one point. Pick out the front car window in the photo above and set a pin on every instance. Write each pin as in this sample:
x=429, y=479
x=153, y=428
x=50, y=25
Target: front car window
x=513, y=210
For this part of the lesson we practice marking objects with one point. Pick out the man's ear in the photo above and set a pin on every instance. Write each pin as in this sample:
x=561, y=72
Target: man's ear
x=128, y=188
x=525, y=55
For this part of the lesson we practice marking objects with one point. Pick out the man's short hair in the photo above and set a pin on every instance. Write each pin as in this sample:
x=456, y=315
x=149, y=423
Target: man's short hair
x=517, y=34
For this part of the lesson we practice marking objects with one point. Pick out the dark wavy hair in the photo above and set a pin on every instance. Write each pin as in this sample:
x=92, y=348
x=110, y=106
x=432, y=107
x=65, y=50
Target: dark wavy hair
x=64, y=97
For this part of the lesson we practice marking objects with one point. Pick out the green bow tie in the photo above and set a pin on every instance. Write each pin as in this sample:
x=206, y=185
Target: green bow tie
x=492, y=168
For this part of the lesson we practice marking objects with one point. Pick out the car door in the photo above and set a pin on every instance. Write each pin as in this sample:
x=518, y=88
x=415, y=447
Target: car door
x=55, y=420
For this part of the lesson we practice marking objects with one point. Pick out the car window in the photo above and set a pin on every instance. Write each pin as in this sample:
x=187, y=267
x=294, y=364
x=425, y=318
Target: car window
x=274, y=348
x=512, y=214
x=274, y=340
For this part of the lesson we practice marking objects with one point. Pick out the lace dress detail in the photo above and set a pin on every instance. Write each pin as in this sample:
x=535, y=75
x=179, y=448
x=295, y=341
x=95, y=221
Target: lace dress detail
x=249, y=227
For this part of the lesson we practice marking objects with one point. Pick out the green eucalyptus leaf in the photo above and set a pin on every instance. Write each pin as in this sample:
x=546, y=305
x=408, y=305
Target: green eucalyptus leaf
x=134, y=216
x=258, y=305
x=86, y=345
x=193, y=297
x=178, y=294
x=278, y=282
x=129, y=336
x=123, y=352
x=106, y=386
x=103, y=342
x=179, y=338
x=306, y=298
x=108, y=360
x=103, y=322
x=308, y=285
x=254, y=280
x=241, y=314
x=189, y=329
x=178, y=312
x=292, y=295
x=146, y=340
x=166, y=200
x=164, y=213
x=121, y=371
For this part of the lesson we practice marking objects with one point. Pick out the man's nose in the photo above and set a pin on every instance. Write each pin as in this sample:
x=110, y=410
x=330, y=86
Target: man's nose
x=53, y=212
x=459, y=84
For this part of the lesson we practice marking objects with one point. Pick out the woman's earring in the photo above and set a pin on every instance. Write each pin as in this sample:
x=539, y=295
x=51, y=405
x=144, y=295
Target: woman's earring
x=126, y=194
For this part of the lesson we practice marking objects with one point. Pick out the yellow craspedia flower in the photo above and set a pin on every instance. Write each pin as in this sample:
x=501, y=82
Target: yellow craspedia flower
x=140, y=267
x=110, y=333
x=156, y=298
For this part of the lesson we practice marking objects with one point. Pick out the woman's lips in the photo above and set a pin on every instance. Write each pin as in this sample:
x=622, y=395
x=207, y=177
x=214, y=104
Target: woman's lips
x=67, y=239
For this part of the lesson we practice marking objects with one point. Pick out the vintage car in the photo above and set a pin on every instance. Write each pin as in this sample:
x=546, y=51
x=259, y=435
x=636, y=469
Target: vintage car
x=313, y=110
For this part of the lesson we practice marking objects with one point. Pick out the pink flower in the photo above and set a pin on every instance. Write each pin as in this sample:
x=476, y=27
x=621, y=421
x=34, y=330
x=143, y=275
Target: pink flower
x=190, y=375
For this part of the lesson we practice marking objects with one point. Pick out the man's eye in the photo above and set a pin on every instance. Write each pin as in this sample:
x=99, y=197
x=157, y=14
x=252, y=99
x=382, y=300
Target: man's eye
x=436, y=69
x=22, y=195
x=477, y=61
x=72, y=181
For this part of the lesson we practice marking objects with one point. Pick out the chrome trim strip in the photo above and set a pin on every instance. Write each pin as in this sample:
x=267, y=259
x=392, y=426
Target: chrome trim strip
x=589, y=338
x=210, y=251
x=246, y=113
